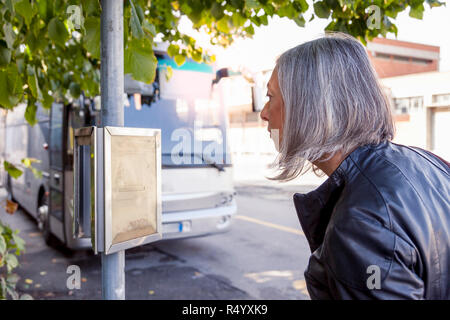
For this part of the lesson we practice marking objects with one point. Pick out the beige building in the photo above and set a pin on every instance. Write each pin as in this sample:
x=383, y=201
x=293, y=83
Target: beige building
x=421, y=104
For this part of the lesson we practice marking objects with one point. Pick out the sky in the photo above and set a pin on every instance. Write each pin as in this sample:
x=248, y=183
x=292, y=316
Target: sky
x=282, y=34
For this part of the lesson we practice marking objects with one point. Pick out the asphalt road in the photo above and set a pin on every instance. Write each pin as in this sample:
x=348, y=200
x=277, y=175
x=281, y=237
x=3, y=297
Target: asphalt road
x=262, y=257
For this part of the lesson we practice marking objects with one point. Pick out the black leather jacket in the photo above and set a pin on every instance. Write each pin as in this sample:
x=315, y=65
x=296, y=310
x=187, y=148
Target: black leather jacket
x=379, y=227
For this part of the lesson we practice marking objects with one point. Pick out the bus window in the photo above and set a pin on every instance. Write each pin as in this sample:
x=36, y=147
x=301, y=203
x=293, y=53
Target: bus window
x=192, y=121
x=77, y=116
x=56, y=124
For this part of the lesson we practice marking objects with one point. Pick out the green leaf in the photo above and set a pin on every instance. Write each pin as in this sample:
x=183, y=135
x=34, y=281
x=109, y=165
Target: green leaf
x=12, y=292
x=300, y=21
x=173, y=50
x=269, y=9
x=30, y=113
x=238, y=19
x=12, y=170
x=57, y=31
x=2, y=245
x=287, y=11
x=7, y=229
x=140, y=13
x=9, y=6
x=252, y=4
x=238, y=4
x=10, y=36
x=321, y=10
x=179, y=59
x=250, y=30
x=25, y=9
x=33, y=83
x=196, y=11
x=435, y=3
x=11, y=261
x=140, y=61
x=47, y=100
x=67, y=78
x=43, y=9
x=185, y=8
x=36, y=173
x=92, y=38
x=169, y=73
x=5, y=54
x=149, y=27
x=135, y=24
x=10, y=87
x=264, y=20
x=2, y=288
x=222, y=25
x=20, y=243
x=26, y=162
x=217, y=11
x=417, y=12
x=197, y=56
x=75, y=90
x=90, y=7
x=303, y=4
x=12, y=279
x=31, y=41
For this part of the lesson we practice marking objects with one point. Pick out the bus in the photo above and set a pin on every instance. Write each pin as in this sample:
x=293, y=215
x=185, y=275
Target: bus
x=198, y=196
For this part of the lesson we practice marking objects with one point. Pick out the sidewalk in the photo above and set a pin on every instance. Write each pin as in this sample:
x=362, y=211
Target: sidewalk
x=253, y=169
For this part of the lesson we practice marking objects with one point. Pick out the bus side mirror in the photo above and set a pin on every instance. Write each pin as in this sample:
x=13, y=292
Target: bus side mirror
x=225, y=73
x=221, y=73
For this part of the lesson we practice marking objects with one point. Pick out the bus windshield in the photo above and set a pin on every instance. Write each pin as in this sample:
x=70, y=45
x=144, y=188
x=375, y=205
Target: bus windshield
x=191, y=118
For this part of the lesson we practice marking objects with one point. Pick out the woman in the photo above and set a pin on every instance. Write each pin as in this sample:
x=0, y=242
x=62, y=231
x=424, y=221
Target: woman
x=379, y=226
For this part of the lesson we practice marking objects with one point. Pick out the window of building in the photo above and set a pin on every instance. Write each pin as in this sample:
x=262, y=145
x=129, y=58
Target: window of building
x=383, y=55
x=441, y=98
x=421, y=61
x=408, y=105
x=402, y=58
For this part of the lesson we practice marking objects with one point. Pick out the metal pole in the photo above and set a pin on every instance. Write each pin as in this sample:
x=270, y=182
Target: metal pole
x=112, y=90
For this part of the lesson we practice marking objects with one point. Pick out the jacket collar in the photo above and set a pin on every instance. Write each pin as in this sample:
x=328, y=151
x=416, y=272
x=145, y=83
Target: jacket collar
x=314, y=209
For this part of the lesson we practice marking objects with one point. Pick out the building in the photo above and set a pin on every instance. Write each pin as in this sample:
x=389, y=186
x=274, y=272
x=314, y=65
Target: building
x=392, y=58
x=421, y=104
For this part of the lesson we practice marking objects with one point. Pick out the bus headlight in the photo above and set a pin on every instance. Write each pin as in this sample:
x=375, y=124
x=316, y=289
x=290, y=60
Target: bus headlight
x=226, y=199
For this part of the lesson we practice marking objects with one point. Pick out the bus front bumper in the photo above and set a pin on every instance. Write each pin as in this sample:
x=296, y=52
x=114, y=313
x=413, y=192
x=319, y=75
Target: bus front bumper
x=195, y=223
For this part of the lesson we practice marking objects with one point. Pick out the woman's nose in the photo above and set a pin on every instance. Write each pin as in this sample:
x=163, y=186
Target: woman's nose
x=263, y=114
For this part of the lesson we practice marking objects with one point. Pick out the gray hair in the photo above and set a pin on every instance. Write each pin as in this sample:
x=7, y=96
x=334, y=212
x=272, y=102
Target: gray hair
x=332, y=102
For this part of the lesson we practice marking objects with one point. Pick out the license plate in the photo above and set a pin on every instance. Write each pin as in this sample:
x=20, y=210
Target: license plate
x=172, y=227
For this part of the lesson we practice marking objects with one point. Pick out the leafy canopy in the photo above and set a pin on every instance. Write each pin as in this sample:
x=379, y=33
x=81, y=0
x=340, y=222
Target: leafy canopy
x=11, y=246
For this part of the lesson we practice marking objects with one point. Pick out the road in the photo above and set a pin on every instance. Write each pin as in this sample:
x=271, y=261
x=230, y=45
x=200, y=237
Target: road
x=262, y=257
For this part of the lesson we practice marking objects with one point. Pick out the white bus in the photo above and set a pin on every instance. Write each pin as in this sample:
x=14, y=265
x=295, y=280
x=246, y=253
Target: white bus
x=197, y=188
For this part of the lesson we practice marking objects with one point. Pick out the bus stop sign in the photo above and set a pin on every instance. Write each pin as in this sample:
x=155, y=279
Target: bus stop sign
x=117, y=187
